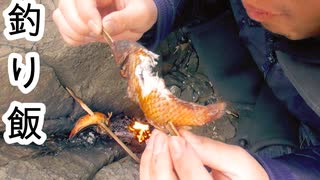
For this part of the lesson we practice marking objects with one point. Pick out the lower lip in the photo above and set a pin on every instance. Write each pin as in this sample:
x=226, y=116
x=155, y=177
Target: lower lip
x=257, y=14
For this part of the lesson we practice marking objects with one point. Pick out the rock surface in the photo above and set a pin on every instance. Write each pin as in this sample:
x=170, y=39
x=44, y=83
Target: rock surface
x=70, y=163
x=124, y=169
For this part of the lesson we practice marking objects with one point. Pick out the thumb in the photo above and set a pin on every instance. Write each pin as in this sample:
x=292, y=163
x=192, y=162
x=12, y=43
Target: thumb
x=227, y=159
x=117, y=22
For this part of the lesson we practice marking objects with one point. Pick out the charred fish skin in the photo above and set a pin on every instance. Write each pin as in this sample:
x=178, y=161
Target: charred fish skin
x=147, y=89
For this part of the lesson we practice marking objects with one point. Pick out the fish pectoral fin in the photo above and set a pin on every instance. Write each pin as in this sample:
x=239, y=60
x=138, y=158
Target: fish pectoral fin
x=98, y=119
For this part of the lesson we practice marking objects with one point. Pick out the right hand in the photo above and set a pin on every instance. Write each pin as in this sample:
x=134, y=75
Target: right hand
x=184, y=157
x=81, y=21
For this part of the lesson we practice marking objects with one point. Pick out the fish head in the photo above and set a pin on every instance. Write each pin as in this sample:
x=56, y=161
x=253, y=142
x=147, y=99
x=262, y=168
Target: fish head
x=122, y=49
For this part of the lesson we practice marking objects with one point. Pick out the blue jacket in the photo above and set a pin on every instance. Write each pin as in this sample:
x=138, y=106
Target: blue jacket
x=270, y=52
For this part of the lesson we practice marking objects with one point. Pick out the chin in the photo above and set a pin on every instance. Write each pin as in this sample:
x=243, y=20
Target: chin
x=286, y=32
x=295, y=37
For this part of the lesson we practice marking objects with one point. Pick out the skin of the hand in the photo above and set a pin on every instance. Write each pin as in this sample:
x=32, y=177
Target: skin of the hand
x=81, y=21
x=171, y=157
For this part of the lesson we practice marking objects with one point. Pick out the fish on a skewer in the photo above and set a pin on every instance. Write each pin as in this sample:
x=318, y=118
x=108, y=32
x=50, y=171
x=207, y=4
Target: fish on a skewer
x=161, y=108
x=158, y=104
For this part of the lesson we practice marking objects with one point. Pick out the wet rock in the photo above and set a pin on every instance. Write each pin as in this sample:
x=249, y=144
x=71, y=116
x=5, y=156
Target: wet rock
x=186, y=74
x=210, y=100
x=179, y=76
x=206, y=93
x=166, y=68
x=220, y=129
x=193, y=63
x=203, y=89
x=73, y=163
x=57, y=126
x=171, y=80
x=195, y=96
x=225, y=129
x=10, y=153
x=188, y=94
x=175, y=90
x=124, y=169
x=182, y=54
x=48, y=91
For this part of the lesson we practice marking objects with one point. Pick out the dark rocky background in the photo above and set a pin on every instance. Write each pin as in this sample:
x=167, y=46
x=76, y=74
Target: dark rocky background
x=91, y=73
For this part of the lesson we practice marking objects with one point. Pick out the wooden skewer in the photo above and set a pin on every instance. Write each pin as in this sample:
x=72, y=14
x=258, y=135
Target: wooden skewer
x=115, y=137
x=107, y=37
x=82, y=104
x=172, y=129
x=234, y=114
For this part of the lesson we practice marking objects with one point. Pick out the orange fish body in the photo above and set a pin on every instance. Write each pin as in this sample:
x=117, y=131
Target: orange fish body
x=146, y=88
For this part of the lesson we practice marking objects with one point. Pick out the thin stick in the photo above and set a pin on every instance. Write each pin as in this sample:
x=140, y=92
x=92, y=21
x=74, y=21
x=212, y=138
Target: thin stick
x=172, y=129
x=107, y=37
x=115, y=137
x=234, y=114
x=82, y=104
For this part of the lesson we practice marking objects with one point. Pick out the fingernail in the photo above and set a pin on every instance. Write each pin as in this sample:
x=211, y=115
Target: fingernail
x=178, y=144
x=94, y=27
x=159, y=144
x=107, y=26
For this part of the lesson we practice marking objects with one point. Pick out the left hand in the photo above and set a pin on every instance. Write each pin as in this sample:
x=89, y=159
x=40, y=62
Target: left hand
x=81, y=21
x=171, y=158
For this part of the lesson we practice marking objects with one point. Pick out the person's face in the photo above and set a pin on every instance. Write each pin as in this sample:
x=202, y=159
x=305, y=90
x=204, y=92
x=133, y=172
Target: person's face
x=295, y=19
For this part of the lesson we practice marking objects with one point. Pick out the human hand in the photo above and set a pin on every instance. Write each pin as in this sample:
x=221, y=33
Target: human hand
x=184, y=158
x=81, y=21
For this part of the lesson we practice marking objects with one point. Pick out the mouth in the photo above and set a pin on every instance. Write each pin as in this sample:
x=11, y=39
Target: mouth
x=258, y=14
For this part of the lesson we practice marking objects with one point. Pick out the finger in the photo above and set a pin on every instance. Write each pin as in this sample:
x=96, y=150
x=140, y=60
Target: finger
x=146, y=158
x=123, y=36
x=70, y=13
x=104, y=3
x=71, y=41
x=218, y=155
x=187, y=164
x=161, y=164
x=217, y=175
x=88, y=12
x=118, y=21
x=65, y=29
x=101, y=39
x=127, y=35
